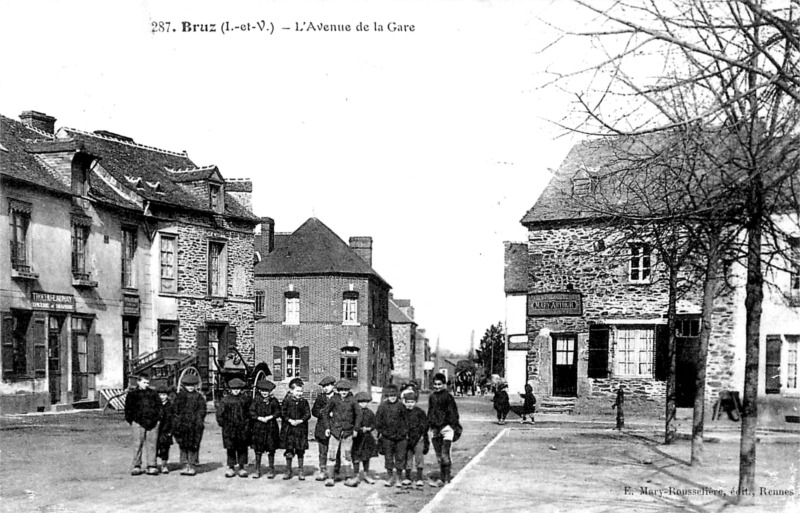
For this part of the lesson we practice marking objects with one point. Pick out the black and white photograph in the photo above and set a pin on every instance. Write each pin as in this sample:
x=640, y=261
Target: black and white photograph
x=405, y=256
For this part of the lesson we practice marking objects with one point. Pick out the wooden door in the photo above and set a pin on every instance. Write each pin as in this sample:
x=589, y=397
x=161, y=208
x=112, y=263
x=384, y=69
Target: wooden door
x=565, y=366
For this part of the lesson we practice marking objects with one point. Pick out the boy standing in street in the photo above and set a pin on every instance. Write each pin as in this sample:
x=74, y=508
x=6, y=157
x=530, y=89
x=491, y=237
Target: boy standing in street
x=391, y=423
x=164, y=426
x=294, y=427
x=364, y=445
x=233, y=415
x=189, y=423
x=341, y=415
x=319, y=430
x=142, y=412
x=418, y=442
x=444, y=426
x=265, y=411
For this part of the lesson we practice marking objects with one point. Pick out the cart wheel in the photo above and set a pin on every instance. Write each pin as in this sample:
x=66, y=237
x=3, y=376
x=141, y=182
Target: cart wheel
x=186, y=372
x=259, y=376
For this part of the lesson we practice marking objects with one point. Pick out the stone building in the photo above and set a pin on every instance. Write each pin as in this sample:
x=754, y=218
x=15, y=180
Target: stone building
x=160, y=257
x=321, y=307
x=404, y=337
x=595, y=310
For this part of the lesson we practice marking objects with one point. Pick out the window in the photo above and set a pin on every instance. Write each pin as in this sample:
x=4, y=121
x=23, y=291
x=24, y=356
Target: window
x=292, y=308
x=634, y=351
x=217, y=269
x=15, y=343
x=791, y=361
x=772, y=378
x=80, y=240
x=167, y=334
x=639, y=264
x=128, y=252
x=20, y=220
x=168, y=264
x=349, y=364
x=216, y=198
x=350, y=308
x=260, y=299
x=292, y=362
x=687, y=328
x=794, y=271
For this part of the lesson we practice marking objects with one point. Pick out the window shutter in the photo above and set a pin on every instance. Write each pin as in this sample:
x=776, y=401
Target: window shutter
x=8, y=345
x=662, y=352
x=202, y=353
x=277, y=363
x=598, y=352
x=304, y=362
x=772, y=381
x=223, y=271
x=94, y=356
x=39, y=347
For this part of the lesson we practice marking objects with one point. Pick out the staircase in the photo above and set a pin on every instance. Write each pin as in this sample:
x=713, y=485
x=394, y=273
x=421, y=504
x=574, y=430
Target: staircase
x=555, y=404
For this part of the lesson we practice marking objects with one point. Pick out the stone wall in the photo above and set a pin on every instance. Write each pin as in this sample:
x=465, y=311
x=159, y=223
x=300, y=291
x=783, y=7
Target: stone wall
x=402, y=334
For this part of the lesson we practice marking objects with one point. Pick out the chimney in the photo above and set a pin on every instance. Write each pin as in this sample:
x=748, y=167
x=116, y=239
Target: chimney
x=363, y=247
x=39, y=121
x=267, y=236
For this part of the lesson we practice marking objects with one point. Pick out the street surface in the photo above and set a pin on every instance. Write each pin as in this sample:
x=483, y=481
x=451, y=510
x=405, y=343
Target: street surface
x=75, y=462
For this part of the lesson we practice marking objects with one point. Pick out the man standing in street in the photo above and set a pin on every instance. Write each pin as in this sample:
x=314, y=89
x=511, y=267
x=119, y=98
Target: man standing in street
x=142, y=411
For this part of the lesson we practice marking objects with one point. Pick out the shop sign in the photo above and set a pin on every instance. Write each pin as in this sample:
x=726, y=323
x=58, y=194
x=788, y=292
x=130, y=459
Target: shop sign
x=518, y=342
x=555, y=304
x=130, y=305
x=49, y=301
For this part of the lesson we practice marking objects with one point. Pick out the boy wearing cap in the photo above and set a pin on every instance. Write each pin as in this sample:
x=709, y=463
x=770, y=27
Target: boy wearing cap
x=364, y=445
x=142, y=412
x=444, y=426
x=391, y=423
x=164, y=426
x=233, y=415
x=319, y=430
x=418, y=442
x=265, y=412
x=341, y=415
x=189, y=423
x=294, y=427
x=501, y=403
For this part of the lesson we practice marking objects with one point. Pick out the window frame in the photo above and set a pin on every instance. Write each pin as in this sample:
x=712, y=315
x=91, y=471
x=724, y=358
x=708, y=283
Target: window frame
x=350, y=308
x=129, y=243
x=20, y=221
x=217, y=269
x=348, y=365
x=80, y=245
x=291, y=314
x=792, y=361
x=642, y=342
x=640, y=261
x=259, y=302
x=160, y=338
x=291, y=362
x=168, y=283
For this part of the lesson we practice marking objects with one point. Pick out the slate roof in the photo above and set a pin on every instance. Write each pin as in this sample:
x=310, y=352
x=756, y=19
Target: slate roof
x=397, y=316
x=313, y=249
x=516, y=268
x=16, y=162
x=123, y=158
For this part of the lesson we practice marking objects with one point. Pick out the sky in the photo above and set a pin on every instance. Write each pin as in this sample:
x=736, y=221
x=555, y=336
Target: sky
x=434, y=142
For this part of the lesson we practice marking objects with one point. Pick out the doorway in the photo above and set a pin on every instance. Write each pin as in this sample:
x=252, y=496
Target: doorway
x=130, y=347
x=55, y=350
x=565, y=366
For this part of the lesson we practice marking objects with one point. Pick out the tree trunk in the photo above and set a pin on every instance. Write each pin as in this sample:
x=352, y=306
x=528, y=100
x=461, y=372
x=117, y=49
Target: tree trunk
x=670, y=428
x=709, y=292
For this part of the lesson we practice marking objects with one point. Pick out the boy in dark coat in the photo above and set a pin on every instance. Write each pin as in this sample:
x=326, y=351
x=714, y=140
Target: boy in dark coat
x=294, y=432
x=444, y=426
x=391, y=423
x=142, y=412
x=364, y=445
x=164, y=426
x=501, y=403
x=189, y=423
x=319, y=431
x=418, y=442
x=341, y=415
x=266, y=438
x=233, y=415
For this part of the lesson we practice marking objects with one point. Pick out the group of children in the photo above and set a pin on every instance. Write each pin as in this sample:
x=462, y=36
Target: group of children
x=502, y=403
x=348, y=433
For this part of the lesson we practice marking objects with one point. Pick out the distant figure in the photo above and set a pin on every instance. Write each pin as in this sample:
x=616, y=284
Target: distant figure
x=502, y=404
x=618, y=404
x=529, y=403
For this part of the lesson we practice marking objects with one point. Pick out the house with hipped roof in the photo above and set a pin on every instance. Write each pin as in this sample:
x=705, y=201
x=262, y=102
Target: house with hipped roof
x=321, y=307
x=587, y=309
x=116, y=250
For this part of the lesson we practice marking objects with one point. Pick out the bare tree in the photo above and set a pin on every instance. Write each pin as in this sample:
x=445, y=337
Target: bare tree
x=732, y=67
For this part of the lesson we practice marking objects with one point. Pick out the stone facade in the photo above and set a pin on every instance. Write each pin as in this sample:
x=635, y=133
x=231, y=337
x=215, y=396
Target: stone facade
x=404, y=337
